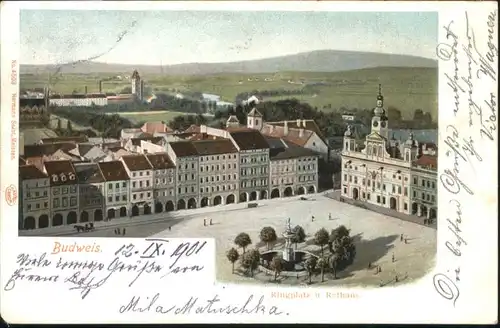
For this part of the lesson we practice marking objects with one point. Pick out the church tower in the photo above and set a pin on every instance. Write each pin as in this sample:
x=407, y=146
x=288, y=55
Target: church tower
x=380, y=122
x=137, y=85
x=254, y=120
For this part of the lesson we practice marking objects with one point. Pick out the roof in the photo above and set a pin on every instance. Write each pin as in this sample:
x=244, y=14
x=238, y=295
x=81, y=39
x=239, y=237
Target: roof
x=193, y=129
x=214, y=147
x=29, y=172
x=61, y=172
x=160, y=161
x=136, y=162
x=427, y=161
x=249, y=139
x=113, y=171
x=153, y=127
x=233, y=119
x=22, y=161
x=310, y=125
x=65, y=139
x=254, y=113
x=294, y=135
x=288, y=150
x=46, y=149
x=89, y=173
x=155, y=140
x=203, y=136
x=183, y=148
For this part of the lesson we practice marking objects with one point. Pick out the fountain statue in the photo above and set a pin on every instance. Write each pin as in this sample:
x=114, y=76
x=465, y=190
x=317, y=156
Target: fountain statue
x=288, y=252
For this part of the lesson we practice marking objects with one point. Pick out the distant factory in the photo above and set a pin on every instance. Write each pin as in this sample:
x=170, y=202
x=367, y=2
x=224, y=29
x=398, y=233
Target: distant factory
x=94, y=99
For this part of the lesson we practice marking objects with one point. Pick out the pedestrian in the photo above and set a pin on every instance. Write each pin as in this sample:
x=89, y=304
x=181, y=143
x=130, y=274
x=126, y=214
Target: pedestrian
x=210, y=221
x=118, y=231
x=425, y=221
x=393, y=258
x=369, y=265
x=406, y=240
x=379, y=269
x=329, y=216
x=401, y=237
x=396, y=278
x=115, y=232
x=204, y=222
x=124, y=231
x=312, y=218
x=169, y=228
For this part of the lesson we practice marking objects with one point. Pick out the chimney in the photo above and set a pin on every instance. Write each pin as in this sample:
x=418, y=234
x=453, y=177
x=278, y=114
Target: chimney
x=285, y=128
x=298, y=122
x=86, y=90
x=100, y=86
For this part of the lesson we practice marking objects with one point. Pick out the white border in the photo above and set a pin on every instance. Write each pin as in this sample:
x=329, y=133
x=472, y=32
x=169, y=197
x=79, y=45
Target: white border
x=417, y=303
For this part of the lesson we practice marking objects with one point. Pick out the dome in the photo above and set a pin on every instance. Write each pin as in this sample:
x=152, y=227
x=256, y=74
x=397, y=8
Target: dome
x=410, y=141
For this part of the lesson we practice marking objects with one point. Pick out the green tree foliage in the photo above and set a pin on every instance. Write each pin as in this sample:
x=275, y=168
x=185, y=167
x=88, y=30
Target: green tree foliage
x=299, y=235
x=182, y=122
x=243, y=240
x=310, y=266
x=321, y=239
x=59, y=124
x=232, y=255
x=277, y=265
x=268, y=235
x=342, y=248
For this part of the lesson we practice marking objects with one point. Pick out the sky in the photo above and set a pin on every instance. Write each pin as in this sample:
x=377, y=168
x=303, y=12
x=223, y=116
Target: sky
x=175, y=37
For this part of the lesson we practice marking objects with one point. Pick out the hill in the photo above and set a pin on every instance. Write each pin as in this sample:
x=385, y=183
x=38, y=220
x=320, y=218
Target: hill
x=313, y=61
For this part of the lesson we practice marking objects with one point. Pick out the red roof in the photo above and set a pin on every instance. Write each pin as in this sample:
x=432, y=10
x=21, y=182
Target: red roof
x=427, y=160
x=154, y=127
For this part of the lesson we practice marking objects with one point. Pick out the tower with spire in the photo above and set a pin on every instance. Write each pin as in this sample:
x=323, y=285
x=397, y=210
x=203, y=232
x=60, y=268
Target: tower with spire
x=380, y=122
x=137, y=85
x=254, y=119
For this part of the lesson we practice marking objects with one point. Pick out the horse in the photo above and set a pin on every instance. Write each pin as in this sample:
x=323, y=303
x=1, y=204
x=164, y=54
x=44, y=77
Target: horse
x=79, y=227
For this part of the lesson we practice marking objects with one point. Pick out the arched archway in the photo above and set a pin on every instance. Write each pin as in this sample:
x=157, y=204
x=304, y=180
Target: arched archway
x=43, y=221
x=217, y=200
x=181, y=204
x=253, y=196
x=147, y=209
x=123, y=211
x=393, y=203
x=169, y=206
x=158, y=207
x=57, y=220
x=275, y=193
x=230, y=199
x=29, y=223
x=355, y=193
x=243, y=197
x=192, y=203
x=204, y=202
x=263, y=194
x=288, y=192
x=98, y=215
x=301, y=191
x=414, y=208
x=432, y=213
x=311, y=190
x=424, y=210
x=84, y=217
x=111, y=213
x=135, y=210
x=72, y=218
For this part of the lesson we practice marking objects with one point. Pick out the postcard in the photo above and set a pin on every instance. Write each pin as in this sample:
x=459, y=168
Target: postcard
x=249, y=162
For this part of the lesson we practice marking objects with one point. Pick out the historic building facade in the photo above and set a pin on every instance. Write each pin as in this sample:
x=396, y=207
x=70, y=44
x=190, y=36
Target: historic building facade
x=35, y=195
x=116, y=189
x=90, y=192
x=163, y=182
x=381, y=170
x=185, y=157
x=140, y=172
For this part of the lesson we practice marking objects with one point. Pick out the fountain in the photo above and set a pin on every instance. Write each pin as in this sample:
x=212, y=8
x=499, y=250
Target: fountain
x=292, y=258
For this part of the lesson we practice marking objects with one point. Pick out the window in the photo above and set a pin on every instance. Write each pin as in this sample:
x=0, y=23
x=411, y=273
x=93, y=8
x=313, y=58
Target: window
x=65, y=190
x=383, y=200
x=406, y=206
x=72, y=201
x=124, y=184
x=124, y=198
x=29, y=207
x=117, y=185
x=433, y=198
x=45, y=204
x=415, y=181
x=55, y=202
x=65, y=202
x=110, y=199
x=134, y=196
x=345, y=190
x=110, y=186
x=378, y=199
x=117, y=198
x=433, y=185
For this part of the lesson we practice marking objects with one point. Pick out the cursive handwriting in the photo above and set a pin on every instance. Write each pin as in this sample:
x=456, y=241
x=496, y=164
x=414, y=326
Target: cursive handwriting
x=454, y=227
x=195, y=305
x=446, y=287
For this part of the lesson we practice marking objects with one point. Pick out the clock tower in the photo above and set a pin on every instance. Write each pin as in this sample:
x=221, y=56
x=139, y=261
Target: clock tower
x=380, y=122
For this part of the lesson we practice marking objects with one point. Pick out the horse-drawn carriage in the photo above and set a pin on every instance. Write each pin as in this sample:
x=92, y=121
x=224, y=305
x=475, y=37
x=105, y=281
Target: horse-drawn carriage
x=84, y=228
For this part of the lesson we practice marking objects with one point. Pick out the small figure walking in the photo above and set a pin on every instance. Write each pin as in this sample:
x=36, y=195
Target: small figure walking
x=396, y=278
x=393, y=258
x=425, y=222
x=401, y=237
x=369, y=265
x=118, y=231
x=379, y=269
x=406, y=240
x=204, y=222
x=124, y=230
x=169, y=228
x=210, y=221
x=312, y=218
x=329, y=216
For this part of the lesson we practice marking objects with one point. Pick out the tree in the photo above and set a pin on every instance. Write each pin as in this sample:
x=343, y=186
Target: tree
x=59, y=124
x=250, y=260
x=277, y=266
x=310, y=265
x=322, y=264
x=232, y=256
x=321, y=238
x=299, y=235
x=268, y=235
x=343, y=249
x=243, y=240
